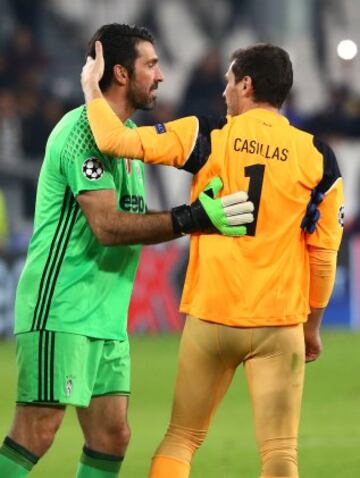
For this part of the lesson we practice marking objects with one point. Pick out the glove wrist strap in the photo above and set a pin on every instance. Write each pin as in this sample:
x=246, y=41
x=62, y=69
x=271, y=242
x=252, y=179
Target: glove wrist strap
x=182, y=220
x=189, y=219
x=200, y=217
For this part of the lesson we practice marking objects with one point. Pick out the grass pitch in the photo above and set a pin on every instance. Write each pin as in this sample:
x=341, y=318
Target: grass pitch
x=330, y=429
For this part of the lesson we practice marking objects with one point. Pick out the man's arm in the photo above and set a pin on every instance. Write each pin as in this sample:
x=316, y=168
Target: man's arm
x=207, y=214
x=184, y=143
x=326, y=211
x=322, y=278
x=112, y=227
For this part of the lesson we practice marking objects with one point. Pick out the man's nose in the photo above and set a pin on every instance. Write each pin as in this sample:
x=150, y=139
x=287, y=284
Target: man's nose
x=160, y=76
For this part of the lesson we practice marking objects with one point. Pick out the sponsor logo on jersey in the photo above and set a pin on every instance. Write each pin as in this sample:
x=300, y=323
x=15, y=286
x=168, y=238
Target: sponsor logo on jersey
x=341, y=216
x=132, y=203
x=160, y=128
x=93, y=169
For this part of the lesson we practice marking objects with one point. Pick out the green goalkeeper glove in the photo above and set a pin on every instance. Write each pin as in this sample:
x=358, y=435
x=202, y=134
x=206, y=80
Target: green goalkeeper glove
x=207, y=214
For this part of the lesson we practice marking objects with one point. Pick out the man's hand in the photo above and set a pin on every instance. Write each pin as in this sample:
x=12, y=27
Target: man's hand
x=92, y=73
x=225, y=215
x=313, y=343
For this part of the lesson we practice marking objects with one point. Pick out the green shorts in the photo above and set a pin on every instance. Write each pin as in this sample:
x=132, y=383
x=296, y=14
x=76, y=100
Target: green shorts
x=58, y=368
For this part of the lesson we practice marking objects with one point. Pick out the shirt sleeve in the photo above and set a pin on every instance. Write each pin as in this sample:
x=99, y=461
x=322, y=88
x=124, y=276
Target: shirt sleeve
x=88, y=171
x=330, y=226
x=184, y=143
x=322, y=275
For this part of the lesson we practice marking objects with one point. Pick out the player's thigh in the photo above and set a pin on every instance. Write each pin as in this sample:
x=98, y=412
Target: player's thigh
x=275, y=374
x=113, y=373
x=107, y=410
x=202, y=376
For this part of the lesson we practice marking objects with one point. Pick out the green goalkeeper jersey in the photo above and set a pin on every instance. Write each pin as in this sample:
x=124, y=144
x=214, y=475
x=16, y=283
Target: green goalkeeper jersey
x=70, y=282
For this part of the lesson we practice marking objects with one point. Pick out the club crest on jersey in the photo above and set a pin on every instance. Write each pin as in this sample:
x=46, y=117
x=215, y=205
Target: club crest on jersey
x=93, y=169
x=138, y=171
x=128, y=165
x=341, y=216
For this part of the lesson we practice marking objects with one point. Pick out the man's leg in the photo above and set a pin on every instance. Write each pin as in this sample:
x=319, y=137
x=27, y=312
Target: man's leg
x=275, y=374
x=37, y=416
x=32, y=434
x=203, y=377
x=107, y=434
x=104, y=422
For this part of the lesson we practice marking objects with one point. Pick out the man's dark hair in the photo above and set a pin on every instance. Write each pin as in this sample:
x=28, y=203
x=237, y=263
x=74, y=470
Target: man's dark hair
x=119, y=46
x=270, y=69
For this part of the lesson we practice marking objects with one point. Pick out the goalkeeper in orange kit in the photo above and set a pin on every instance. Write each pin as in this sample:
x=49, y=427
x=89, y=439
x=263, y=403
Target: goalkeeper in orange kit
x=257, y=300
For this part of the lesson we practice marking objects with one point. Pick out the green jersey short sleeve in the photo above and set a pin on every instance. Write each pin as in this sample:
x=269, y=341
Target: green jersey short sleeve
x=83, y=166
x=70, y=282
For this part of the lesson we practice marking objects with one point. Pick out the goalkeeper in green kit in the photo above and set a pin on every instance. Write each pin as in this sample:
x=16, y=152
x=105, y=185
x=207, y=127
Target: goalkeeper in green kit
x=73, y=296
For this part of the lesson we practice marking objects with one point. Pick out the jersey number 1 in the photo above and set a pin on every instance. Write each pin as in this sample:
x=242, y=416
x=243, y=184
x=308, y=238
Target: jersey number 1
x=256, y=175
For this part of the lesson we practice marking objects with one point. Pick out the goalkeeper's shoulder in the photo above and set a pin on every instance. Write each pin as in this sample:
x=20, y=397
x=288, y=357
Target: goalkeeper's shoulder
x=184, y=143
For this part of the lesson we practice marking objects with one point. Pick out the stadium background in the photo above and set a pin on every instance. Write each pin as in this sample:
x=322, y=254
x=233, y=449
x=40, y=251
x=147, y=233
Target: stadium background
x=42, y=44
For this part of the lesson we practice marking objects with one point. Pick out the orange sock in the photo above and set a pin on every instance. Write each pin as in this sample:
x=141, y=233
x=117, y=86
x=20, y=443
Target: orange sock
x=168, y=467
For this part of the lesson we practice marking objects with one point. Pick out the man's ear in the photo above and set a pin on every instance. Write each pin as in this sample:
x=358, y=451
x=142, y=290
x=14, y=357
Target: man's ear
x=121, y=74
x=247, y=85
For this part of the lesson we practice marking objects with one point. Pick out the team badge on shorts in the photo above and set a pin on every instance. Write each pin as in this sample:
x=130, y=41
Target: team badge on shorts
x=341, y=216
x=69, y=386
x=93, y=169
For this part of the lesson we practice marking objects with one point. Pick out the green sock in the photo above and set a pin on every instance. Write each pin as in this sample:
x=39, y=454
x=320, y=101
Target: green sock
x=98, y=465
x=15, y=460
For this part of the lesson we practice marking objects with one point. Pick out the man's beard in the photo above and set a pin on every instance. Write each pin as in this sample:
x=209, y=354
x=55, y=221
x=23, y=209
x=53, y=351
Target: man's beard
x=140, y=100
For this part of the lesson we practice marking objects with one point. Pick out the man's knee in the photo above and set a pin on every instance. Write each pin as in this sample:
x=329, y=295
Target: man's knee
x=123, y=435
x=35, y=427
x=181, y=442
x=112, y=439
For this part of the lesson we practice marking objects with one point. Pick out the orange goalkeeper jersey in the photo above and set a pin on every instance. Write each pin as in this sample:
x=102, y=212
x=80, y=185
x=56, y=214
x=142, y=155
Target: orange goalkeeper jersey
x=261, y=279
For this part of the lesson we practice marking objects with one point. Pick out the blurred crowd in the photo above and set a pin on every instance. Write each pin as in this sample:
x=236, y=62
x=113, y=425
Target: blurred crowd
x=28, y=111
x=41, y=53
